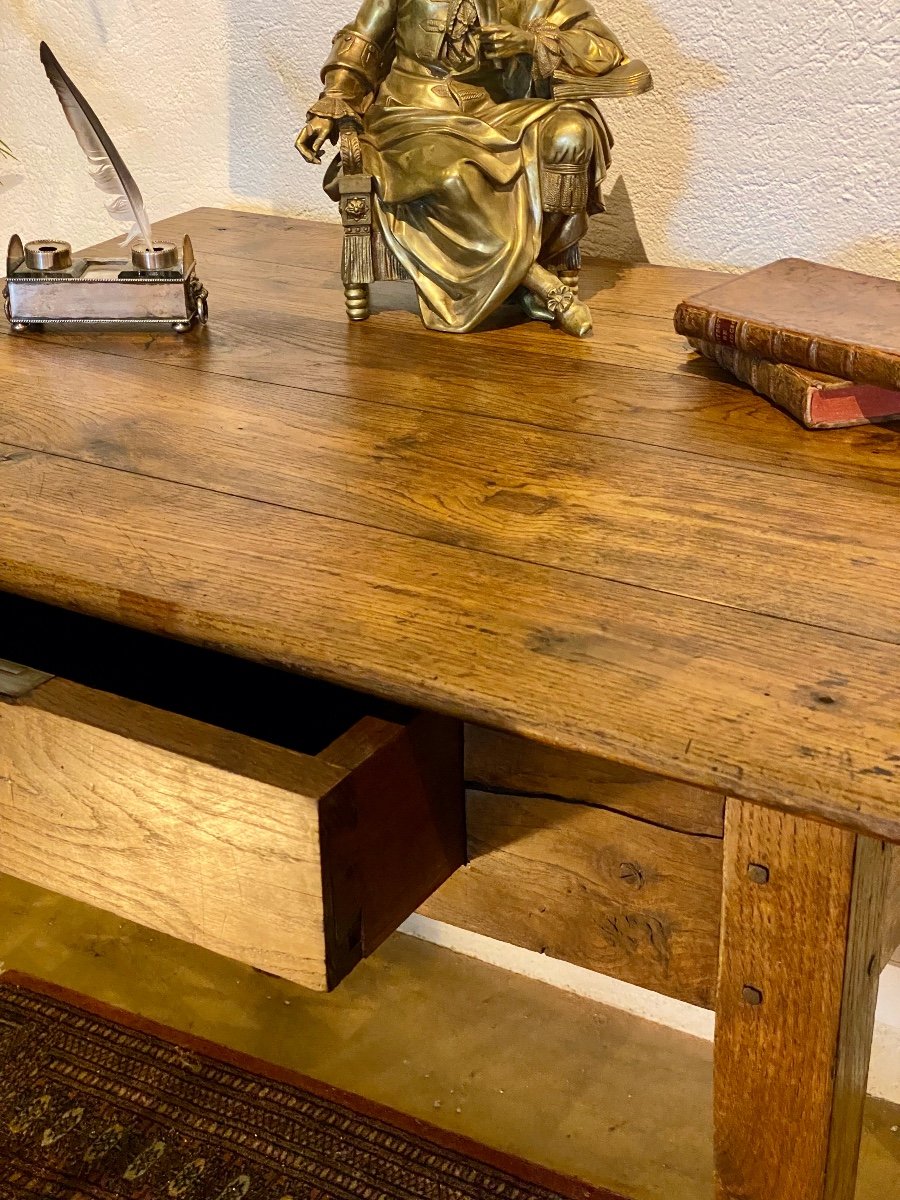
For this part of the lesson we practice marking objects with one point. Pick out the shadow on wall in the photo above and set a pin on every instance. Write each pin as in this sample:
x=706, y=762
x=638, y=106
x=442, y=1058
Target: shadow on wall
x=873, y=256
x=274, y=77
x=99, y=21
x=654, y=135
x=615, y=234
x=23, y=14
x=274, y=74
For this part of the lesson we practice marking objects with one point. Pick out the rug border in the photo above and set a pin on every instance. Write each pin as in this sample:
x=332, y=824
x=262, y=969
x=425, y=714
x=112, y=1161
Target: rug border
x=533, y=1173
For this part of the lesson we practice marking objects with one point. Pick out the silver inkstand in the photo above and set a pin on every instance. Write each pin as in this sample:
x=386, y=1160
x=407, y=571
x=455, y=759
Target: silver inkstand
x=156, y=287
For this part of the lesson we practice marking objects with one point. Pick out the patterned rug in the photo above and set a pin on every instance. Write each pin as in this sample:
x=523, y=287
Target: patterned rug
x=96, y=1104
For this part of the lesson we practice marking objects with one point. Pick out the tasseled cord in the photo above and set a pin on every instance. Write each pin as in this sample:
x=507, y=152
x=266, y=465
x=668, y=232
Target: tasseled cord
x=564, y=188
x=357, y=265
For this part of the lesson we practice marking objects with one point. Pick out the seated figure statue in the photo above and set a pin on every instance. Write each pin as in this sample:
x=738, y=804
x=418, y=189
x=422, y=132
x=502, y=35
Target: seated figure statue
x=483, y=178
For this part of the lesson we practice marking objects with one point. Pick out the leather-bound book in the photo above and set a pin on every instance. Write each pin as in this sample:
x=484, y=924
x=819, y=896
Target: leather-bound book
x=816, y=400
x=798, y=312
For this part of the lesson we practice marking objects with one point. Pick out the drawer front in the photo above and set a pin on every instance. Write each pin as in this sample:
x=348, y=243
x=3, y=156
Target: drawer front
x=590, y=863
x=257, y=852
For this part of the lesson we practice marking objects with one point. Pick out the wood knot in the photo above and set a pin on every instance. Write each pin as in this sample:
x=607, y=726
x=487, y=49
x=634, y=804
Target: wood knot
x=631, y=873
x=638, y=933
x=520, y=503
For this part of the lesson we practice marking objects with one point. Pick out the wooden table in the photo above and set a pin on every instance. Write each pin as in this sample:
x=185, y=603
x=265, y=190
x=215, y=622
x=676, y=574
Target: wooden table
x=645, y=590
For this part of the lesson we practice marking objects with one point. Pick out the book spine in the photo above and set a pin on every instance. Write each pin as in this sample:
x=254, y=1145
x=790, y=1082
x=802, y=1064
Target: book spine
x=825, y=404
x=858, y=363
x=777, y=383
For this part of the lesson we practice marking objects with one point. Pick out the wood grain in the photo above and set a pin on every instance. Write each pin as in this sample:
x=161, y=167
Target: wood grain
x=397, y=829
x=296, y=334
x=715, y=697
x=294, y=864
x=502, y=762
x=590, y=504
x=75, y=705
x=696, y=409
x=791, y=1067
x=592, y=887
x=176, y=844
x=631, y=553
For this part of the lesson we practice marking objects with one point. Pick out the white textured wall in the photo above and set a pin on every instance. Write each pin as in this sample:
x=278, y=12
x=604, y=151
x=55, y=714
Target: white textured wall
x=775, y=127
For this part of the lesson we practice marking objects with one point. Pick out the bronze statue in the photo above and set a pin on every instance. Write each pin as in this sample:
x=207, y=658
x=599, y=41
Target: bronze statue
x=471, y=151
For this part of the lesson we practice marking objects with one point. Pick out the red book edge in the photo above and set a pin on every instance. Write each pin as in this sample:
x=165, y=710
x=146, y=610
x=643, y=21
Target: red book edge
x=855, y=404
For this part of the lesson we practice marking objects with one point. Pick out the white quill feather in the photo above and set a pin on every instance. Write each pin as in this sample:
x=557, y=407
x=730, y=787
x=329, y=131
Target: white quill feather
x=105, y=164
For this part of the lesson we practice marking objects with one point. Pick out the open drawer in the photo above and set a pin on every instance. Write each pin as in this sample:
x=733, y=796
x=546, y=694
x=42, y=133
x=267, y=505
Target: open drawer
x=276, y=820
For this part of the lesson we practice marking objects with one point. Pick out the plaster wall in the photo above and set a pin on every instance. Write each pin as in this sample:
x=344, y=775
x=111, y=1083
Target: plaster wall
x=774, y=129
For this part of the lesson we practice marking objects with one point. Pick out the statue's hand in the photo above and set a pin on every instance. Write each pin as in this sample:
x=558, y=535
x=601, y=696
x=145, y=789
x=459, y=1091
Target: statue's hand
x=506, y=41
x=313, y=136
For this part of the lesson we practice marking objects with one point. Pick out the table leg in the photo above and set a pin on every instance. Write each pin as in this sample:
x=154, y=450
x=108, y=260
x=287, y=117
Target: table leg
x=798, y=981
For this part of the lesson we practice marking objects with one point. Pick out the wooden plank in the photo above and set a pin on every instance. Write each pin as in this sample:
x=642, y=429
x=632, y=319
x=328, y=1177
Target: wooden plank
x=65, y=701
x=194, y=850
x=250, y=236
x=692, y=411
x=295, y=335
x=639, y=288
x=302, y=311
x=718, y=698
x=502, y=762
x=632, y=513
x=298, y=332
x=591, y=887
x=801, y=931
x=636, y=331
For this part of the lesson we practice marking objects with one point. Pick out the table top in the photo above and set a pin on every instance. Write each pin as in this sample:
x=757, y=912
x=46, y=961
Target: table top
x=604, y=545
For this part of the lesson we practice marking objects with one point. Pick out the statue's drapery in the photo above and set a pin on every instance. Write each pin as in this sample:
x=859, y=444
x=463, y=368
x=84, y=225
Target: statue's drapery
x=454, y=142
